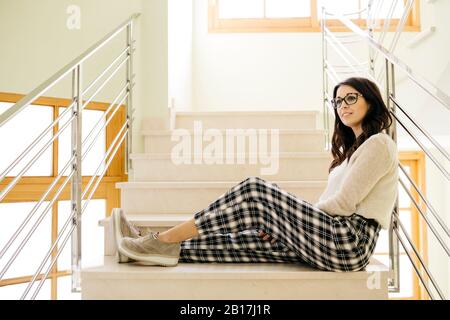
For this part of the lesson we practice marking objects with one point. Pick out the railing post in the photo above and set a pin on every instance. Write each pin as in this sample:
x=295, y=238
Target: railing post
x=77, y=178
x=129, y=109
x=326, y=124
x=371, y=27
x=394, y=247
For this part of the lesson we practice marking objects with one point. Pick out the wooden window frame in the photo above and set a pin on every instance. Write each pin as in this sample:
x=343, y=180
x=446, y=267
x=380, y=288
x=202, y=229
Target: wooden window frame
x=307, y=24
x=416, y=161
x=31, y=189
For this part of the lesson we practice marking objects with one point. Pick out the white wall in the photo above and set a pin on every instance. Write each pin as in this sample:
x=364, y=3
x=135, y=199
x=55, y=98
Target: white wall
x=36, y=43
x=180, y=54
x=284, y=70
x=254, y=70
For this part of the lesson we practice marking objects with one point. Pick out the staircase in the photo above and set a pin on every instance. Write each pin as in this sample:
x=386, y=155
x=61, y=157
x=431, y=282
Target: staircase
x=163, y=194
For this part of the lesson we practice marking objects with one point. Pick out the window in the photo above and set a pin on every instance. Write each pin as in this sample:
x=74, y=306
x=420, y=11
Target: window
x=24, y=196
x=297, y=15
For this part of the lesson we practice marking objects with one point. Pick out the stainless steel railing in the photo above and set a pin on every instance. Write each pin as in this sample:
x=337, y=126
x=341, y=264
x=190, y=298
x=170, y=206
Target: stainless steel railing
x=351, y=65
x=71, y=172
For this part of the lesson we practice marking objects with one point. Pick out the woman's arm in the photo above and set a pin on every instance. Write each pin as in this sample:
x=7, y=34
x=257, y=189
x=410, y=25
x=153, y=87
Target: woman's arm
x=373, y=162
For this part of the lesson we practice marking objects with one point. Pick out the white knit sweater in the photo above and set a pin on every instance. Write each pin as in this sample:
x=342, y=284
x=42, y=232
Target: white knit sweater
x=367, y=184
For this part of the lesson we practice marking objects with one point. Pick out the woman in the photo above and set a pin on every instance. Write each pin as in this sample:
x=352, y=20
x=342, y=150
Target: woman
x=257, y=221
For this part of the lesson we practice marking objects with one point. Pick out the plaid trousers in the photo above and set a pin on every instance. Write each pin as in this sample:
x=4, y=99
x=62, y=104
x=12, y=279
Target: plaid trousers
x=228, y=231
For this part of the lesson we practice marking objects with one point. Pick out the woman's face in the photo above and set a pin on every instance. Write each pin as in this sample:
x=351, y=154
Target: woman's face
x=350, y=114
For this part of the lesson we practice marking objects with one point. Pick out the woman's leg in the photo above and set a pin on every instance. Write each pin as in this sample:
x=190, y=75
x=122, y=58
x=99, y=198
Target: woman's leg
x=244, y=246
x=329, y=243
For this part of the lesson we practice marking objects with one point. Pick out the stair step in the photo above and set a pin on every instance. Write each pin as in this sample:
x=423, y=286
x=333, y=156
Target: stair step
x=159, y=141
x=231, y=281
x=193, y=196
x=287, y=166
x=306, y=120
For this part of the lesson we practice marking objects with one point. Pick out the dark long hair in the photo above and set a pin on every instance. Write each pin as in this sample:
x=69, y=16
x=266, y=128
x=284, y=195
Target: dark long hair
x=344, y=143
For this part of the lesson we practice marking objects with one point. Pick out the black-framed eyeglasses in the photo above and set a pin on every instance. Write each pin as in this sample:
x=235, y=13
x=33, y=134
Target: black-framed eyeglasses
x=350, y=98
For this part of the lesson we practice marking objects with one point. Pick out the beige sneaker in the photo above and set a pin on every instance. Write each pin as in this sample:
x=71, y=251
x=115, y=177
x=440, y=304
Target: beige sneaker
x=149, y=250
x=124, y=228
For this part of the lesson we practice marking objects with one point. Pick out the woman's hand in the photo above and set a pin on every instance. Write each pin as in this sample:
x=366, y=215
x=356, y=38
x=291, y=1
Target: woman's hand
x=266, y=237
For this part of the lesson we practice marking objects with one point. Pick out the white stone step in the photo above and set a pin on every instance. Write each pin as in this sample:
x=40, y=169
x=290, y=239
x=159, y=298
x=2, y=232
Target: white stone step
x=190, y=197
x=159, y=141
x=304, y=120
x=287, y=166
x=231, y=281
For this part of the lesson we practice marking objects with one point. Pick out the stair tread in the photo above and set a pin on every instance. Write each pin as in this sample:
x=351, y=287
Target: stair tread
x=303, y=155
x=113, y=270
x=211, y=184
x=166, y=132
x=151, y=219
x=246, y=112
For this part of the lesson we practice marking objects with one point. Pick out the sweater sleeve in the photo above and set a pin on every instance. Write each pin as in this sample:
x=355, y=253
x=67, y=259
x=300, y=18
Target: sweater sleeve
x=367, y=169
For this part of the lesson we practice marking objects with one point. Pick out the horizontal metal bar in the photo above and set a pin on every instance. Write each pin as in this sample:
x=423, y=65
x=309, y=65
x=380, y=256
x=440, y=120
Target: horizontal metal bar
x=104, y=83
x=35, y=208
x=424, y=132
x=29, y=98
x=103, y=159
x=427, y=86
x=27, y=290
x=105, y=124
x=334, y=43
x=105, y=71
x=351, y=41
x=333, y=74
x=346, y=14
x=33, y=229
x=16, y=179
x=86, y=203
x=438, y=165
x=70, y=232
x=362, y=64
x=429, y=224
x=416, y=252
x=49, y=252
x=401, y=25
x=427, y=203
x=33, y=144
x=422, y=280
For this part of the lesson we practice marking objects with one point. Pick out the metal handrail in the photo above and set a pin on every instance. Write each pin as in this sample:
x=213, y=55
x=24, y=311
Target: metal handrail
x=427, y=86
x=346, y=51
x=104, y=124
x=419, y=274
x=16, y=179
x=330, y=72
x=93, y=83
x=416, y=252
x=427, y=221
x=427, y=152
x=427, y=203
x=104, y=83
x=35, y=226
x=88, y=186
x=78, y=155
x=398, y=31
x=424, y=132
x=33, y=144
x=28, y=99
x=71, y=231
x=69, y=219
x=34, y=210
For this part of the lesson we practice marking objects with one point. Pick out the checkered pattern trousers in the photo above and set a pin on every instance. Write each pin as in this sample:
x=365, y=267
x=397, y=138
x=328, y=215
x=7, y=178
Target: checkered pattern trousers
x=228, y=231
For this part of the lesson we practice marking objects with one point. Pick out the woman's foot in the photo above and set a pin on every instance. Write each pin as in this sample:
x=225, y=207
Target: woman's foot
x=124, y=228
x=150, y=250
